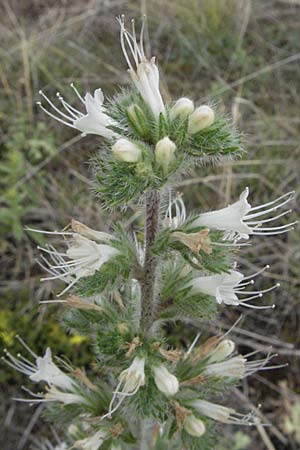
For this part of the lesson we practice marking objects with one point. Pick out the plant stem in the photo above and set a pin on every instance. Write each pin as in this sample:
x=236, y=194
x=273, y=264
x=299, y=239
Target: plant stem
x=148, y=279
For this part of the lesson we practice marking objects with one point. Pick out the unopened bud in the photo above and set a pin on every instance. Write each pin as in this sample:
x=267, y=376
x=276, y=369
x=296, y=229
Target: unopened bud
x=164, y=153
x=122, y=328
x=165, y=381
x=127, y=151
x=193, y=426
x=202, y=117
x=137, y=118
x=182, y=108
x=222, y=351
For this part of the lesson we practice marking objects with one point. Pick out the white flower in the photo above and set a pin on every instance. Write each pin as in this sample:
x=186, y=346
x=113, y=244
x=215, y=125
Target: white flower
x=43, y=369
x=131, y=380
x=127, y=151
x=238, y=367
x=176, y=213
x=182, y=108
x=93, y=442
x=220, y=413
x=193, y=426
x=166, y=382
x=237, y=219
x=203, y=117
x=221, y=351
x=83, y=257
x=145, y=75
x=94, y=121
x=55, y=395
x=165, y=153
x=227, y=287
x=233, y=368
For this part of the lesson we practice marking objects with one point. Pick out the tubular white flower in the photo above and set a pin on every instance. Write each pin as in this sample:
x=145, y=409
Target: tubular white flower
x=238, y=367
x=166, y=382
x=203, y=117
x=228, y=287
x=94, y=121
x=44, y=369
x=224, y=349
x=83, y=257
x=221, y=413
x=144, y=73
x=182, y=108
x=55, y=395
x=165, y=153
x=93, y=442
x=127, y=151
x=176, y=213
x=193, y=426
x=233, y=368
x=237, y=219
x=131, y=380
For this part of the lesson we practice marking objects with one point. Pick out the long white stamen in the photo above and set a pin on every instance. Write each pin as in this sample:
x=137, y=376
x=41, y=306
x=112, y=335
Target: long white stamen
x=51, y=252
x=142, y=37
x=77, y=93
x=54, y=106
x=26, y=346
x=273, y=233
x=63, y=233
x=290, y=194
x=257, y=273
x=282, y=227
x=258, y=292
x=257, y=222
x=55, y=117
x=267, y=211
x=70, y=109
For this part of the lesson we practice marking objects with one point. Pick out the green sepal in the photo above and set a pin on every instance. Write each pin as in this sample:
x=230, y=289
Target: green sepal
x=220, y=139
x=108, y=275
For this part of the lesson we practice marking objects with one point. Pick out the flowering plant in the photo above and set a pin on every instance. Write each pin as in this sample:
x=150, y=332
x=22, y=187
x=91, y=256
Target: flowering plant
x=121, y=288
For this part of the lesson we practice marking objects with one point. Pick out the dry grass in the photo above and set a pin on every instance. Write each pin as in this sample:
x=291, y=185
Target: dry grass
x=244, y=54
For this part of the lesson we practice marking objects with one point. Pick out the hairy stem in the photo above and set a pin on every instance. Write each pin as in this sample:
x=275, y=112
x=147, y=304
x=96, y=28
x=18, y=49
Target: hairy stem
x=148, y=278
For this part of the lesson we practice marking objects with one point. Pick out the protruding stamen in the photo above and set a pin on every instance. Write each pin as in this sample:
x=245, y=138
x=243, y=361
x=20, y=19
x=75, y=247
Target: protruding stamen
x=257, y=222
x=77, y=93
x=53, y=105
x=290, y=194
x=55, y=117
x=257, y=273
x=25, y=346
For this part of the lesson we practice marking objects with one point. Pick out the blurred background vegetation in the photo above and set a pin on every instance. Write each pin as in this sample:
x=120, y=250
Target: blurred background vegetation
x=242, y=54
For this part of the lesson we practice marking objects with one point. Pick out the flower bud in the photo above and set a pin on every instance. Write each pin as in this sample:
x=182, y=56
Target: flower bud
x=222, y=351
x=165, y=381
x=164, y=153
x=193, y=426
x=137, y=118
x=127, y=151
x=182, y=108
x=202, y=117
